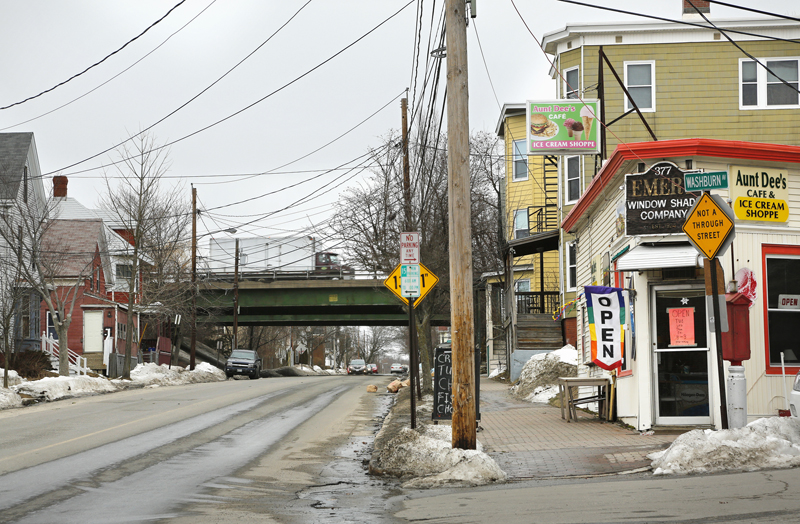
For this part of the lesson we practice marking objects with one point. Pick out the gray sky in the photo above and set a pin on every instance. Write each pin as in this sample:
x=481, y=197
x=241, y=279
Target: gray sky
x=46, y=41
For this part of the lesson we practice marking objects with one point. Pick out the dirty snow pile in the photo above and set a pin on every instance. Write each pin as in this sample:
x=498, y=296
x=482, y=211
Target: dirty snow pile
x=153, y=375
x=9, y=399
x=54, y=388
x=13, y=377
x=497, y=372
x=538, y=379
x=426, y=453
x=772, y=442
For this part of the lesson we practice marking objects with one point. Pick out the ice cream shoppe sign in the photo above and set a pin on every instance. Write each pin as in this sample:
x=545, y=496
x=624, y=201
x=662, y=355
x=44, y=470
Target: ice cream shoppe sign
x=563, y=126
x=606, y=309
x=759, y=193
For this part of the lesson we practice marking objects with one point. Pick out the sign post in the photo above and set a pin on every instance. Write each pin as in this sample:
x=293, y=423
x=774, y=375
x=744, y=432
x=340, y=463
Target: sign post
x=710, y=228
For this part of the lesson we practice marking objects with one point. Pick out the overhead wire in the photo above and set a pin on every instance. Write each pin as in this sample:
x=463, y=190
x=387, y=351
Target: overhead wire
x=76, y=75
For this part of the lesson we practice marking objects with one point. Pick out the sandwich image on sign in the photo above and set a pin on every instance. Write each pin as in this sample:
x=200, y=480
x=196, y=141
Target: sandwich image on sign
x=542, y=127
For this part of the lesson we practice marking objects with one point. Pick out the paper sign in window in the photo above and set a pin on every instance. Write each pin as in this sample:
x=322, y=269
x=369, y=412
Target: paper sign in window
x=681, y=326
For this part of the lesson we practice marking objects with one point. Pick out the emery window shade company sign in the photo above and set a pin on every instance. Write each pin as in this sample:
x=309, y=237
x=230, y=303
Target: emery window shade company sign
x=656, y=201
x=563, y=127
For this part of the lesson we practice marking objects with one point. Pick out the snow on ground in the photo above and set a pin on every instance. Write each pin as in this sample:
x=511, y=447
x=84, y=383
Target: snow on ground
x=13, y=377
x=772, y=442
x=537, y=381
x=150, y=374
x=9, y=399
x=499, y=371
x=426, y=453
x=54, y=388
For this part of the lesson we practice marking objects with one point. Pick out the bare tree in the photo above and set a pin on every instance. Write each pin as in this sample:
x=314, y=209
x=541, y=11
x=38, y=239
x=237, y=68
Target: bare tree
x=152, y=218
x=13, y=291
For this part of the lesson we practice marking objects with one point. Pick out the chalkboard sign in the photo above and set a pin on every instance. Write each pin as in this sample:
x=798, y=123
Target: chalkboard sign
x=442, y=384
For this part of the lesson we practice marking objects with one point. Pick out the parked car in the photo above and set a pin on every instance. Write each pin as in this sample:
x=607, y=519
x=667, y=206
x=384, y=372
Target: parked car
x=397, y=368
x=373, y=368
x=357, y=367
x=794, y=397
x=243, y=362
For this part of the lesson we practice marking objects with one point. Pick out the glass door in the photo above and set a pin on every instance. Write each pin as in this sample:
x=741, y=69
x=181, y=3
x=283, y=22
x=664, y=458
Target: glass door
x=681, y=353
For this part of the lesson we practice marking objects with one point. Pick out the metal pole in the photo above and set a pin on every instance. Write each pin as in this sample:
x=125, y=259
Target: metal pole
x=412, y=360
x=460, y=245
x=193, y=341
x=235, y=344
x=723, y=405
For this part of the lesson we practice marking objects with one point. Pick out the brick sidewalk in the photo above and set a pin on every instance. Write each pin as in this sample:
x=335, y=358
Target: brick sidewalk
x=531, y=440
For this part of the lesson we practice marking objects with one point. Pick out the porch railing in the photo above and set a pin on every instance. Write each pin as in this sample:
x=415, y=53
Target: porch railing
x=77, y=362
x=543, y=302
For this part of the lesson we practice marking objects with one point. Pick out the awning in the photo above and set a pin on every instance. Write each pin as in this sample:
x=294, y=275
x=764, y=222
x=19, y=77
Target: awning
x=539, y=242
x=656, y=257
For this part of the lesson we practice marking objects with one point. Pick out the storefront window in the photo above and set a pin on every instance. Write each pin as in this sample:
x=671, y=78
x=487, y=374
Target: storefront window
x=783, y=308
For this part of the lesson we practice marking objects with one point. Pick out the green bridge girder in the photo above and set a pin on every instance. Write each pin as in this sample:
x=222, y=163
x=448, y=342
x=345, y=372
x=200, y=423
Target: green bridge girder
x=306, y=303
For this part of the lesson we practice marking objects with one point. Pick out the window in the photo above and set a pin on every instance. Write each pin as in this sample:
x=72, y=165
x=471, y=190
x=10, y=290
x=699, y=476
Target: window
x=573, y=174
x=520, y=160
x=640, y=80
x=124, y=271
x=572, y=266
x=521, y=228
x=572, y=83
x=523, y=286
x=782, y=307
x=761, y=89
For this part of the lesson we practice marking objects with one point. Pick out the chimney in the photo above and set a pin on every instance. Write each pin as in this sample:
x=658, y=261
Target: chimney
x=60, y=187
x=704, y=6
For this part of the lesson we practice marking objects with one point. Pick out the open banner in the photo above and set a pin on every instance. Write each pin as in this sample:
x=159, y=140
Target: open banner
x=606, y=308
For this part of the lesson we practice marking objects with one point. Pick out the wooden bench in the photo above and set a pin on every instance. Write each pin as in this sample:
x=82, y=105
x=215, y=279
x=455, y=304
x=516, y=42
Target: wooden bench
x=568, y=401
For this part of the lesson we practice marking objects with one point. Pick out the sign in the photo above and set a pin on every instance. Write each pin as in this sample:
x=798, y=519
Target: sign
x=655, y=201
x=409, y=280
x=760, y=193
x=409, y=248
x=788, y=301
x=563, y=126
x=709, y=225
x=426, y=282
x=606, y=309
x=442, y=384
x=681, y=326
x=706, y=181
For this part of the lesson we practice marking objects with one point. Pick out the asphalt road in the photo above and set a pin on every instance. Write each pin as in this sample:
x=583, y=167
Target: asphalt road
x=231, y=451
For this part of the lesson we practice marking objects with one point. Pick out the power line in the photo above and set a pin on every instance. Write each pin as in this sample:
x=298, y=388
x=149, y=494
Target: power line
x=743, y=8
x=76, y=75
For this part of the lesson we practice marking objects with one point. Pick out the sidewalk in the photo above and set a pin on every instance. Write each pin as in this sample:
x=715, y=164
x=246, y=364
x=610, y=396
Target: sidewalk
x=529, y=440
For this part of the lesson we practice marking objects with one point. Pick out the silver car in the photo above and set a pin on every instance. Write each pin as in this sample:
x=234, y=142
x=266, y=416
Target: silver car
x=794, y=397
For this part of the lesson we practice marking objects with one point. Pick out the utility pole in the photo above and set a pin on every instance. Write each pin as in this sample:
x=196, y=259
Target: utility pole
x=406, y=174
x=461, y=308
x=236, y=298
x=193, y=342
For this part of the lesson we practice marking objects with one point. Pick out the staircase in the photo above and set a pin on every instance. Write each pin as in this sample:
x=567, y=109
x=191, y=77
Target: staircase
x=538, y=332
x=77, y=363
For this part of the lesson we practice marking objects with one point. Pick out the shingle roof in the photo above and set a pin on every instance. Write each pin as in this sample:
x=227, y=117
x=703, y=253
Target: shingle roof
x=68, y=246
x=14, y=149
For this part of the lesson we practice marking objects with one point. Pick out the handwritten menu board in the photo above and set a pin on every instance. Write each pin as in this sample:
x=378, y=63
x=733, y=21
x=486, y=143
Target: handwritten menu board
x=442, y=384
x=681, y=326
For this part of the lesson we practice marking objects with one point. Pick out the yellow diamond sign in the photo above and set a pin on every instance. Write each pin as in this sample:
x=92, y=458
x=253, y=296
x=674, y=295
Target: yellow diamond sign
x=426, y=282
x=709, y=225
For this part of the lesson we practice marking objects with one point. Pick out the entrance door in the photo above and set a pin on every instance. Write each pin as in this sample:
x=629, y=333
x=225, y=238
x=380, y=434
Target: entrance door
x=681, y=354
x=93, y=332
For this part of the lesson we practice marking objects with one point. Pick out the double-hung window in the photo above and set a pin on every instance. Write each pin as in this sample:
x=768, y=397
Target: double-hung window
x=640, y=81
x=572, y=82
x=773, y=89
x=520, y=160
x=782, y=305
x=521, y=226
x=573, y=178
x=572, y=266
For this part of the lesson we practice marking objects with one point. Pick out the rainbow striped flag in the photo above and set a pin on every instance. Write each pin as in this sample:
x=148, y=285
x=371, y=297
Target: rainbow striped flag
x=606, y=308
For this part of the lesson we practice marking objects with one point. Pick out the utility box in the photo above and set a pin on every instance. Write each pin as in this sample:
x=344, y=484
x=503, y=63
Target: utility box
x=736, y=341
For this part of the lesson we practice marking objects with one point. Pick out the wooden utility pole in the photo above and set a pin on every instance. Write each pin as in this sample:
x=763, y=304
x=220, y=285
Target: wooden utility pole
x=193, y=340
x=406, y=174
x=235, y=344
x=461, y=312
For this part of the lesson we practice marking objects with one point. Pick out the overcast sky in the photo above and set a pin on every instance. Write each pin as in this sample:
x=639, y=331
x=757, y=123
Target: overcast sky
x=44, y=42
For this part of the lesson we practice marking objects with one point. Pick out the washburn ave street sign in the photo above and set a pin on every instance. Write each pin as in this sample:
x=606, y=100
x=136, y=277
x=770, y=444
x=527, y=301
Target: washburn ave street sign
x=709, y=225
x=706, y=181
x=426, y=282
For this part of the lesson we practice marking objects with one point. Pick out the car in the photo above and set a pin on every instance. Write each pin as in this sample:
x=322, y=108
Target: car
x=397, y=368
x=794, y=397
x=243, y=362
x=357, y=367
x=373, y=368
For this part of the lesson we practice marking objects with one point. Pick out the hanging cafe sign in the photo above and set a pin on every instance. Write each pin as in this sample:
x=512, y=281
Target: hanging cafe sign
x=656, y=202
x=563, y=127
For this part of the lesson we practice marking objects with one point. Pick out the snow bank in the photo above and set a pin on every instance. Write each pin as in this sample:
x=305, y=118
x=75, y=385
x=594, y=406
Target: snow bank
x=764, y=443
x=154, y=375
x=426, y=454
x=537, y=381
x=13, y=377
x=54, y=388
x=9, y=398
x=499, y=371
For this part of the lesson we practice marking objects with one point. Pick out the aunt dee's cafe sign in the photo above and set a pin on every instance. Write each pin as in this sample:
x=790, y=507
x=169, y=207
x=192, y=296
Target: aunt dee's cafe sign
x=656, y=202
x=563, y=126
x=759, y=193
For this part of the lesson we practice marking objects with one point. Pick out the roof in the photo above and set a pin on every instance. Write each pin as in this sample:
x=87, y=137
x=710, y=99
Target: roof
x=69, y=246
x=507, y=111
x=14, y=148
x=663, y=149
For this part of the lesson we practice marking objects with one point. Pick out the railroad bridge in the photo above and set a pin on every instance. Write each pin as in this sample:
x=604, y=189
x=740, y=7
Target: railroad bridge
x=306, y=303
